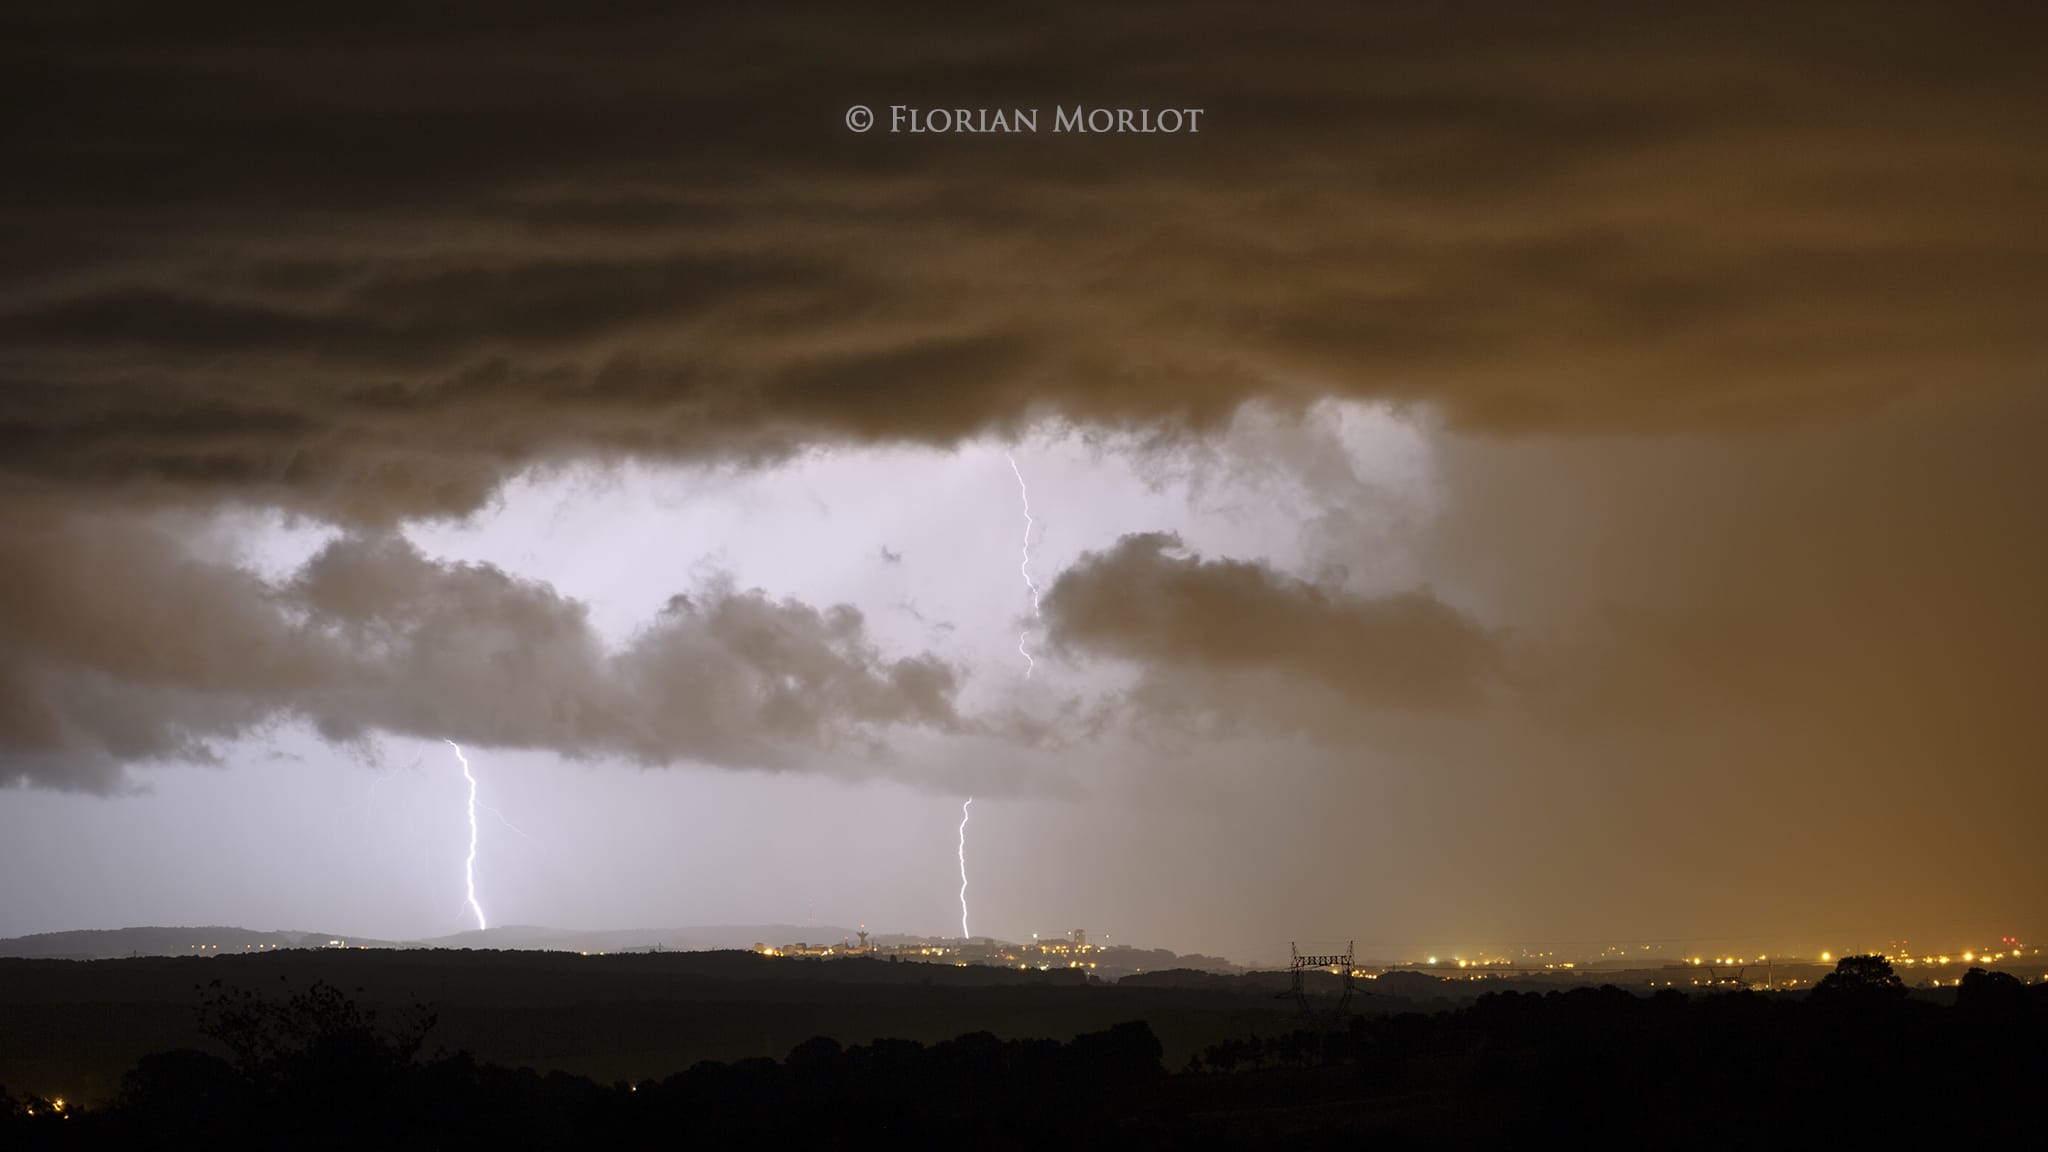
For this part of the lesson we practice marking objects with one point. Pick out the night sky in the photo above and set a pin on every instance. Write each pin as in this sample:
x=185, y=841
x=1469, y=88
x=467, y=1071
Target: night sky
x=1518, y=473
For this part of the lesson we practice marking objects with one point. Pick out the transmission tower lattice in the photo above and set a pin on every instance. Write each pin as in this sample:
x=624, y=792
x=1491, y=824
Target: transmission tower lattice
x=1300, y=964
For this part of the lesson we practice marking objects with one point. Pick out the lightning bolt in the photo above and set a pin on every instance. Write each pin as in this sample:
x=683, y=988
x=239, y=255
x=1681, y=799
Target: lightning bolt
x=469, y=866
x=964, y=935
x=1030, y=665
x=507, y=823
x=1024, y=565
x=1023, y=569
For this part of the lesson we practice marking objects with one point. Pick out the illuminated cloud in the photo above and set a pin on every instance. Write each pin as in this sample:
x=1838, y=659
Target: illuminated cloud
x=123, y=645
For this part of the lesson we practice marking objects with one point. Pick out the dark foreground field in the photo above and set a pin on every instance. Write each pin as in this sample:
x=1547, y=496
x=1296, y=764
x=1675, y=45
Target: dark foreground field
x=74, y=1028
x=451, y=1049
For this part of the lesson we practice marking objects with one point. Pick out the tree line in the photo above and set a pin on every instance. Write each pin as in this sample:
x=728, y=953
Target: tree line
x=314, y=1068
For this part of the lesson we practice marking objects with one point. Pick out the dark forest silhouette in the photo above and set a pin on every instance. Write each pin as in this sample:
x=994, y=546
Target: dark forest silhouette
x=1857, y=1057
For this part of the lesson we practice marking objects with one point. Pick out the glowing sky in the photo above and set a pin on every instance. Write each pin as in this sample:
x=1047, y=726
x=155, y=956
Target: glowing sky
x=1561, y=474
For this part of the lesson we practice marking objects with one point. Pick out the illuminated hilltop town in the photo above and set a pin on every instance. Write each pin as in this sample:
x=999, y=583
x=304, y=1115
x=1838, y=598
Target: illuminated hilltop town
x=1072, y=952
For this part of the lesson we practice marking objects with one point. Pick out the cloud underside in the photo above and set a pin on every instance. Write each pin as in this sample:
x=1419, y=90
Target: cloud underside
x=1213, y=639
x=372, y=276
x=122, y=646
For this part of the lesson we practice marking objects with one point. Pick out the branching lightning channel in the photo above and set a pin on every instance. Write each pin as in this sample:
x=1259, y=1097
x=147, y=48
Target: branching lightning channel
x=1024, y=565
x=964, y=934
x=507, y=823
x=469, y=866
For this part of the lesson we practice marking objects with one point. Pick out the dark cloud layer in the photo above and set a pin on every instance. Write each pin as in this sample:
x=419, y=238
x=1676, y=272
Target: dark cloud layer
x=369, y=260
x=1195, y=625
x=124, y=645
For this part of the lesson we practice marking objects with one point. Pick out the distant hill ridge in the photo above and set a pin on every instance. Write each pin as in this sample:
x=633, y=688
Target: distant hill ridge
x=220, y=940
x=106, y=943
x=112, y=943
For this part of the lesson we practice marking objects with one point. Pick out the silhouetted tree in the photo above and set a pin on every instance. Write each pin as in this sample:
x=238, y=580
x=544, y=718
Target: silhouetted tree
x=1860, y=978
x=1126, y=1055
x=1993, y=997
x=264, y=1036
x=183, y=1092
x=311, y=1056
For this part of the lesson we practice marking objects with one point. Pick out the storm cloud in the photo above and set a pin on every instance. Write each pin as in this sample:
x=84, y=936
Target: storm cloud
x=373, y=275
x=1200, y=629
x=125, y=645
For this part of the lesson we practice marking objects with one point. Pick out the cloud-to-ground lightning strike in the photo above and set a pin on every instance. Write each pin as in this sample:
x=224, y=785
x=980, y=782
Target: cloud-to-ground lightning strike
x=964, y=934
x=469, y=866
x=1024, y=569
x=1024, y=566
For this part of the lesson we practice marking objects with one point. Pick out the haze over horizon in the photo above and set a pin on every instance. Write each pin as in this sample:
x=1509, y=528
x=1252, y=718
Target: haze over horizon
x=1561, y=474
